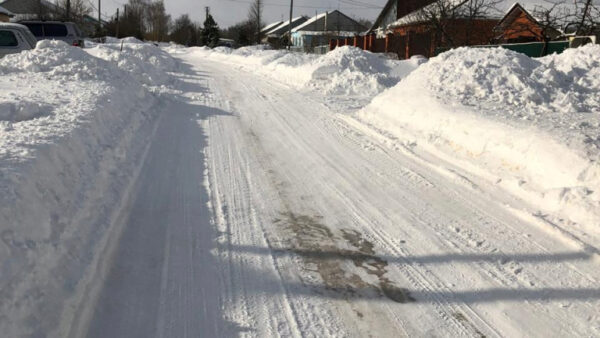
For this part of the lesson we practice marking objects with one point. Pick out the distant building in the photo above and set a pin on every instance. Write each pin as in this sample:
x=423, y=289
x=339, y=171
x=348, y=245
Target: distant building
x=276, y=35
x=31, y=9
x=409, y=22
x=5, y=14
x=520, y=26
x=320, y=29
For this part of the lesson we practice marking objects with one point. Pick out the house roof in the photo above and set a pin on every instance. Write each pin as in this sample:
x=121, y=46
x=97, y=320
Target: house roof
x=271, y=26
x=381, y=15
x=283, y=27
x=6, y=12
x=335, y=15
x=513, y=13
x=309, y=21
x=27, y=6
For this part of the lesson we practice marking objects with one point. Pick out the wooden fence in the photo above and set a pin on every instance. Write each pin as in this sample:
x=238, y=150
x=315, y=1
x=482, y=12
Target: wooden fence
x=404, y=46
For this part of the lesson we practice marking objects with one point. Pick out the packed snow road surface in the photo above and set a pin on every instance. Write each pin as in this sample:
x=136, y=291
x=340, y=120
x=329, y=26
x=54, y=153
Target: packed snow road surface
x=262, y=210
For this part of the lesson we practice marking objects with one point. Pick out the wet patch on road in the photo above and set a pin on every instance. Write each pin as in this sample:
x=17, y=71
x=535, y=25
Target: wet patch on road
x=319, y=249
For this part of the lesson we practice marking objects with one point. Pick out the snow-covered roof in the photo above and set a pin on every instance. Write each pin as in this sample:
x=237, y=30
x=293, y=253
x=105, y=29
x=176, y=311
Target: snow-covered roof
x=421, y=14
x=271, y=25
x=309, y=21
x=285, y=24
x=6, y=11
x=337, y=33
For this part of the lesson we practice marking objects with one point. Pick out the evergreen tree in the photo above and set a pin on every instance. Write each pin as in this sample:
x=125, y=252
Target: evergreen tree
x=210, y=32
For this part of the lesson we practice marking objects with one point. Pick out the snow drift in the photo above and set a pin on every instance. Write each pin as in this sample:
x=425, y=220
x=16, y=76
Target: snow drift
x=73, y=129
x=343, y=71
x=529, y=124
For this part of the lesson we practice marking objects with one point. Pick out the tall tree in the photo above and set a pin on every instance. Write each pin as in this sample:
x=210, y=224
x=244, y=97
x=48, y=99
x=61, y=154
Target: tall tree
x=255, y=18
x=242, y=33
x=210, y=32
x=77, y=10
x=157, y=21
x=184, y=31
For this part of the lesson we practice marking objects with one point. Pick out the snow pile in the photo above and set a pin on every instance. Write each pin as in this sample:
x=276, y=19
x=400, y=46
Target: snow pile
x=531, y=125
x=149, y=64
x=343, y=71
x=530, y=87
x=73, y=130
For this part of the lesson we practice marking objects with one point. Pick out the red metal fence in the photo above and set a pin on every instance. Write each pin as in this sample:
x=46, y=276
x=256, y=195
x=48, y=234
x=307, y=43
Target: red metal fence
x=404, y=46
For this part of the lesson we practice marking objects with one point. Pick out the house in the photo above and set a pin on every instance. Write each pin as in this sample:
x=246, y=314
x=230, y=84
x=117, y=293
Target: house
x=518, y=25
x=320, y=29
x=32, y=9
x=394, y=10
x=411, y=23
x=277, y=36
x=5, y=14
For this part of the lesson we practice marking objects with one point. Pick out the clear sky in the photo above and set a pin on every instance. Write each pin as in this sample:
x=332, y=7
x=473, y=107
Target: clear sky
x=229, y=12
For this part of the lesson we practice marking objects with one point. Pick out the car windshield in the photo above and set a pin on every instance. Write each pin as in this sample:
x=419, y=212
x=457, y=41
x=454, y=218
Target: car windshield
x=35, y=28
x=54, y=29
x=8, y=39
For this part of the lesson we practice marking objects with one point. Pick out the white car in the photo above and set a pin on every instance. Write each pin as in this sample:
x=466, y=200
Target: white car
x=56, y=30
x=15, y=38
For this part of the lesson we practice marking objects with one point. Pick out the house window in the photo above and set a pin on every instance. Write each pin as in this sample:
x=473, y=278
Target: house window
x=8, y=39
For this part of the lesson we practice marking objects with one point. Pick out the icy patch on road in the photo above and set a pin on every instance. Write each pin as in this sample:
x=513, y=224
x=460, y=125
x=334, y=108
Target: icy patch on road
x=529, y=124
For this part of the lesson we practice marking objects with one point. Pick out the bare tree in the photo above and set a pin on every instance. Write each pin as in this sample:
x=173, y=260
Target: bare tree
x=473, y=10
x=75, y=12
x=586, y=17
x=157, y=21
x=255, y=18
x=454, y=22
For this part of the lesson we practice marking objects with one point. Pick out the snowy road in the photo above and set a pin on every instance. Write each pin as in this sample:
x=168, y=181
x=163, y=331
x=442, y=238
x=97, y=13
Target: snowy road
x=261, y=210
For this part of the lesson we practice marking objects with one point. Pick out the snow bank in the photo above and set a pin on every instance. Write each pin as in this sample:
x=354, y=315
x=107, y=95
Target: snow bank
x=73, y=130
x=148, y=64
x=343, y=71
x=529, y=124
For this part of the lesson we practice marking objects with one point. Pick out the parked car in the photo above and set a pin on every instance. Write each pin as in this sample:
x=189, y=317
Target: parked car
x=56, y=30
x=15, y=38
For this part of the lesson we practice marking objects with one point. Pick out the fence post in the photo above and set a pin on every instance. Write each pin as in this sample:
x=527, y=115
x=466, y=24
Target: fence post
x=355, y=42
x=407, y=49
x=388, y=40
x=346, y=42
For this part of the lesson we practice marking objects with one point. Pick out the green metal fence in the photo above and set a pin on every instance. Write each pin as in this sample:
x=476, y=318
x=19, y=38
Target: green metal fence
x=531, y=49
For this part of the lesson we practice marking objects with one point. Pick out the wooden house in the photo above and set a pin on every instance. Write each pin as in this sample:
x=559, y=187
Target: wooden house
x=518, y=25
x=406, y=19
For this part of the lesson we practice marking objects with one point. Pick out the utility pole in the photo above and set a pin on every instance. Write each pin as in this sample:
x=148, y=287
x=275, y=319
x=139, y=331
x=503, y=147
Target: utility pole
x=117, y=23
x=99, y=16
x=290, y=25
x=258, y=12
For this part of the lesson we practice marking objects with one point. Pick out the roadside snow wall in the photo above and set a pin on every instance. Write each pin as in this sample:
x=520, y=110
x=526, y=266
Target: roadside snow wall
x=343, y=71
x=73, y=131
x=531, y=125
